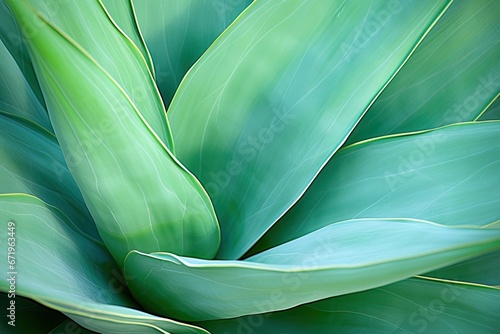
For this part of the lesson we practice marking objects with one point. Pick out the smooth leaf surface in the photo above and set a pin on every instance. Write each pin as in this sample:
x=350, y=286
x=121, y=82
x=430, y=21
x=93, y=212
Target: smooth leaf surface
x=338, y=259
x=275, y=96
x=123, y=14
x=451, y=77
x=493, y=111
x=410, y=306
x=138, y=194
x=448, y=176
x=32, y=163
x=16, y=95
x=88, y=26
x=71, y=273
x=484, y=269
x=11, y=35
x=177, y=32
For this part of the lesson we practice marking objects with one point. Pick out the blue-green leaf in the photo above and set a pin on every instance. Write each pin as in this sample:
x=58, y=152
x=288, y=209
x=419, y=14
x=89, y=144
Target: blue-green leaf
x=69, y=272
x=276, y=95
x=451, y=77
x=411, y=306
x=449, y=176
x=338, y=259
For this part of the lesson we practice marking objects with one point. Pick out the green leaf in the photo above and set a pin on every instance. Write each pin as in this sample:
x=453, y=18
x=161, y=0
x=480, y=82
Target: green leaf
x=16, y=95
x=276, y=95
x=411, y=306
x=449, y=176
x=32, y=163
x=484, y=269
x=70, y=272
x=11, y=36
x=493, y=111
x=451, y=77
x=338, y=259
x=87, y=25
x=123, y=14
x=138, y=194
x=177, y=33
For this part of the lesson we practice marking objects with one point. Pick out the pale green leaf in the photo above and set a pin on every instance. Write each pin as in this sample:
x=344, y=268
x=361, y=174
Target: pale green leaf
x=123, y=14
x=87, y=25
x=275, y=96
x=11, y=36
x=71, y=273
x=451, y=77
x=411, y=306
x=16, y=95
x=449, y=176
x=177, y=32
x=32, y=163
x=138, y=194
x=338, y=259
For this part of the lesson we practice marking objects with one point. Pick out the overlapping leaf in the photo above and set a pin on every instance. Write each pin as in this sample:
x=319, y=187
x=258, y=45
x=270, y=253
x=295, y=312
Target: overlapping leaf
x=448, y=176
x=257, y=118
x=88, y=26
x=178, y=31
x=16, y=94
x=275, y=96
x=338, y=259
x=12, y=37
x=411, y=306
x=484, y=270
x=451, y=77
x=123, y=14
x=32, y=163
x=71, y=273
x=493, y=111
x=137, y=192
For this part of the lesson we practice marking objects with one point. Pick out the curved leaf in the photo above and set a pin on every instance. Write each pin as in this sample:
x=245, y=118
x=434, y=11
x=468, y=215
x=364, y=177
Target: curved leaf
x=276, y=95
x=138, y=194
x=32, y=163
x=411, y=306
x=484, y=269
x=177, y=32
x=449, y=176
x=122, y=12
x=89, y=289
x=87, y=25
x=451, y=77
x=338, y=259
x=11, y=36
x=16, y=95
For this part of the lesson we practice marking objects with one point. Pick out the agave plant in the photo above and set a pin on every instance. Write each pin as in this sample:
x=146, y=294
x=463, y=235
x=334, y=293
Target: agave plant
x=229, y=166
